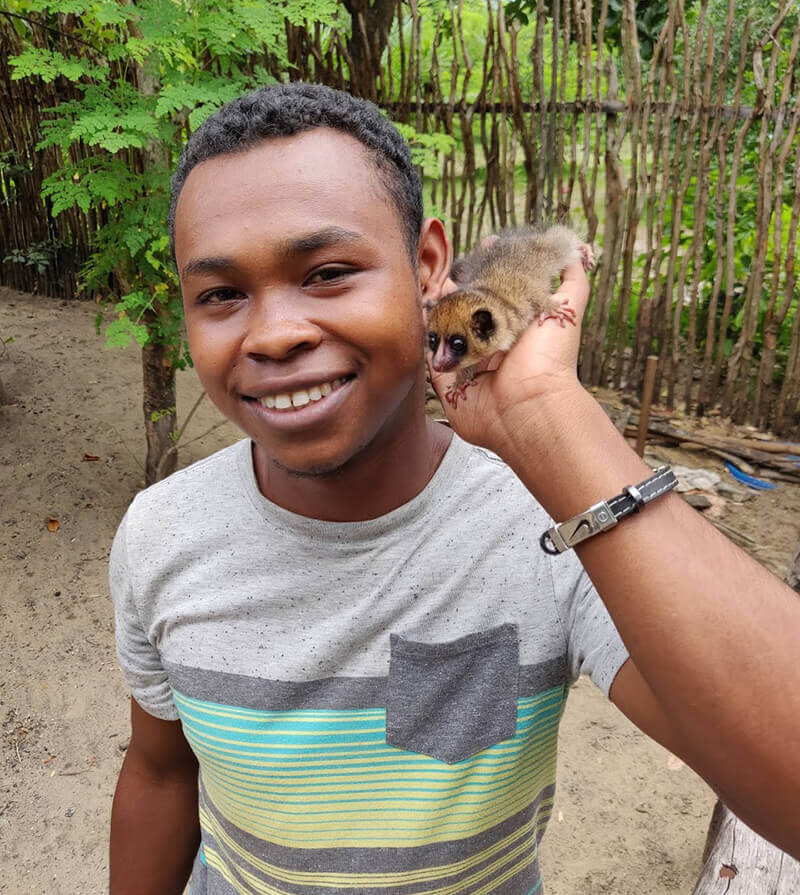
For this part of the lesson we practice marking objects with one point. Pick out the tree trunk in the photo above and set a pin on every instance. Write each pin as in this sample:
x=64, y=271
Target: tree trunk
x=369, y=34
x=160, y=418
x=158, y=370
x=737, y=860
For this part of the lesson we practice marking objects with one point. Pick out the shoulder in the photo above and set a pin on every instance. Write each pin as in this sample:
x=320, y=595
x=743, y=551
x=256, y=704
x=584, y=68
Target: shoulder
x=486, y=484
x=204, y=487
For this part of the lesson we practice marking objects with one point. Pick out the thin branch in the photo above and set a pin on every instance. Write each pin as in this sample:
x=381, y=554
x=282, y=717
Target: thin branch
x=50, y=28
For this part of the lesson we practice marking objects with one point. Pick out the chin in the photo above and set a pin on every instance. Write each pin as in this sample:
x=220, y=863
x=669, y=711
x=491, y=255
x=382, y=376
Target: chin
x=315, y=465
x=312, y=470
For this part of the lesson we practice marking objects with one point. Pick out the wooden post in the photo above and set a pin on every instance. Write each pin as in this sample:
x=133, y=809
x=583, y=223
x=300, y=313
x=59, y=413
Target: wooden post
x=736, y=860
x=647, y=398
x=739, y=862
x=793, y=578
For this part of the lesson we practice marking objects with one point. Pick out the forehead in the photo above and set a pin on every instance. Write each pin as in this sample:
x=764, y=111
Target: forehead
x=280, y=188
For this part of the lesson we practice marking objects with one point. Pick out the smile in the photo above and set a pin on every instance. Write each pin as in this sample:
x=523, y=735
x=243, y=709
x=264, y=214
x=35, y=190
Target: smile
x=288, y=401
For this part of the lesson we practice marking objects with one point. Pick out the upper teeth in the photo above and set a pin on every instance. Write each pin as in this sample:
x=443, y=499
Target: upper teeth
x=300, y=398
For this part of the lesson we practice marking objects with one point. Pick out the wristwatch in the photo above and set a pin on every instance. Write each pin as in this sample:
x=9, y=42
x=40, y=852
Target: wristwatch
x=607, y=513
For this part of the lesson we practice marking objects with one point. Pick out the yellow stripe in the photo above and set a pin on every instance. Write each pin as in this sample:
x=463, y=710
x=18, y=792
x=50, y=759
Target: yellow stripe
x=446, y=777
x=367, y=831
x=468, y=790
x=527, y=847
x=526, y=764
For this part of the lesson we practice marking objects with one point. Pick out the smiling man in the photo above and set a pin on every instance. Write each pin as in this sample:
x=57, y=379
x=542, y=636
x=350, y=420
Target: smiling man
x=347, y=651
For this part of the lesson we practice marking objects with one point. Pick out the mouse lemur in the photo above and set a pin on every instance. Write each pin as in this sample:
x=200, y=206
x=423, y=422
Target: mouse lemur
x=503, y=288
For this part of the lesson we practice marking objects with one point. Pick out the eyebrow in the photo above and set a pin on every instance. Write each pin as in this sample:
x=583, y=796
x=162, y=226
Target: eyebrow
x=319, y=239
x=199, y=266
x=301, y=245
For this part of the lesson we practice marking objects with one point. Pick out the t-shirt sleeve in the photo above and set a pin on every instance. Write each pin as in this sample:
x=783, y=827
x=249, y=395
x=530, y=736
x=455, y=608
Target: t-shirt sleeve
x=138, y=657
x=594, y=646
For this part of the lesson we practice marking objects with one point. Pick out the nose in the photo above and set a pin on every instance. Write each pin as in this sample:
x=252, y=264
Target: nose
x=277, y=328
x=443, y=360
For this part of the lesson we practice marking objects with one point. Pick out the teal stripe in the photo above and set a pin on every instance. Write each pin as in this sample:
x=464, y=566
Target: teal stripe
x=332, y=752
x=229, y=749
x=485, y=763
x=268, y=740
x=267, y=737
x=235, y=714
x=497, y=771
x=494, y=786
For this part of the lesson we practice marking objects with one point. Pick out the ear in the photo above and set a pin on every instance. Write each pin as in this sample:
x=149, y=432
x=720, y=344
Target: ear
x=434, y=257
x=483, y=323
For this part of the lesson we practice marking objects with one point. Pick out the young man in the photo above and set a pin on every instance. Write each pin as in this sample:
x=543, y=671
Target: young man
x=346, y=621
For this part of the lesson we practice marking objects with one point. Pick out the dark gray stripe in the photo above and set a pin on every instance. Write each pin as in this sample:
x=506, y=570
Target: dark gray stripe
x=534, y=679
x=277, y=696
x=386, y=859
x=327, y=693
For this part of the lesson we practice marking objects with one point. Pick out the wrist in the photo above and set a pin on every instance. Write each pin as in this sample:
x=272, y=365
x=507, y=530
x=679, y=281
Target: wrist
x=568, y=453
x=536, y=422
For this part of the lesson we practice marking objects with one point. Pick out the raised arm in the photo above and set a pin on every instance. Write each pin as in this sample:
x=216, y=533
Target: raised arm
x=714, y=638
x=155, y=830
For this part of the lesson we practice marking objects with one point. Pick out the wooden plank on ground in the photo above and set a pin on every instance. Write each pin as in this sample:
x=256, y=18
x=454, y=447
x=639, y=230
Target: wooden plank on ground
x=740, y=862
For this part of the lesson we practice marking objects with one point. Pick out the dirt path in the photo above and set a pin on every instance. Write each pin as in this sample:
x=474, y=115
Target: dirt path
x=628, y=819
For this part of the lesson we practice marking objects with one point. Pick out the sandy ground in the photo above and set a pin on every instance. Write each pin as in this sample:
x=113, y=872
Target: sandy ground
x=629, y=818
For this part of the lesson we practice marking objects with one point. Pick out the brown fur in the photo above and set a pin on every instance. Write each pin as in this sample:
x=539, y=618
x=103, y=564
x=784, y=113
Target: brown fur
x=503, y=288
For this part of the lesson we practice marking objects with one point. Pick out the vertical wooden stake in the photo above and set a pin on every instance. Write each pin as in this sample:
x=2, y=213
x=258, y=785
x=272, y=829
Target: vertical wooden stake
x=647, y=398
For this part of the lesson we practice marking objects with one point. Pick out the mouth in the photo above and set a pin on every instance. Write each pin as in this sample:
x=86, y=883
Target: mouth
x=289, y=402
x=300, y=409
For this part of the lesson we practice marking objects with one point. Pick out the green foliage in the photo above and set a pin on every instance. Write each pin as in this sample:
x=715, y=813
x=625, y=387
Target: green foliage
x=425, y=147
x=157, y=415
x=147, y=74
x=650, y=18
x=39, y=255
x=50, y=64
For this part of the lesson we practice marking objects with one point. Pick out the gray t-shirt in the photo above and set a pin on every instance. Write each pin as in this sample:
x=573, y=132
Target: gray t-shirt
x=374, y=705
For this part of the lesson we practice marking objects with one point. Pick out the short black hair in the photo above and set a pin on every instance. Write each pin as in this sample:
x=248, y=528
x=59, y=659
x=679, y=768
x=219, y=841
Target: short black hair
x=283, y=110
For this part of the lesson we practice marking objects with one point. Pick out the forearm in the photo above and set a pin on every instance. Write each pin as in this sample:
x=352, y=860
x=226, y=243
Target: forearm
x=714, y=634
x=155, y=832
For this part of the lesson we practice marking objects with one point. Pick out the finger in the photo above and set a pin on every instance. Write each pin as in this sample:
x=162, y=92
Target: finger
x=575, y=287
x=442, y=382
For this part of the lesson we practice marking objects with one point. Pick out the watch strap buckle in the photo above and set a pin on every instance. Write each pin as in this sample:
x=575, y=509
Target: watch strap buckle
x=596, y=519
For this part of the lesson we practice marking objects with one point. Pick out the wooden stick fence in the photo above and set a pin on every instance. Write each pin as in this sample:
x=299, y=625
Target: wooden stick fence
x=683, y=171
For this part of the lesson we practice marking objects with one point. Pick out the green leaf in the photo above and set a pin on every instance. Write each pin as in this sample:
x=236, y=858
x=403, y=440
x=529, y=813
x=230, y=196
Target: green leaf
x=50, y=64
x=120, y=332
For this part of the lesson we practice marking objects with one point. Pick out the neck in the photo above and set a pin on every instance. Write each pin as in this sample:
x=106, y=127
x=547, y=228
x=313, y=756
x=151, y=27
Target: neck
x=384, y=475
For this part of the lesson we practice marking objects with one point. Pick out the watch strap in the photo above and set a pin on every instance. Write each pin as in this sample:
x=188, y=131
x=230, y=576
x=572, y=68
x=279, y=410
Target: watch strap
x=607, y=513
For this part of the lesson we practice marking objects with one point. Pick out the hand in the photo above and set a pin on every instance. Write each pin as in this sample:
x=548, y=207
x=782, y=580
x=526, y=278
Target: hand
x=542, y=364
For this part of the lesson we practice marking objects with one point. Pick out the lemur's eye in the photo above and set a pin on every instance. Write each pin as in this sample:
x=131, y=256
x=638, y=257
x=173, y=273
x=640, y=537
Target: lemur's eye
x=433, y=341
x=458, y=344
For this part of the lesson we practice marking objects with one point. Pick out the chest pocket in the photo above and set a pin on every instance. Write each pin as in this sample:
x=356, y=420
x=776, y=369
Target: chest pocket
x=451, y=700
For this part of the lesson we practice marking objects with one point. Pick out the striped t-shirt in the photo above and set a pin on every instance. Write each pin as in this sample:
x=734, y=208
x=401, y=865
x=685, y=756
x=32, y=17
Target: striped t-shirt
x=374, y=705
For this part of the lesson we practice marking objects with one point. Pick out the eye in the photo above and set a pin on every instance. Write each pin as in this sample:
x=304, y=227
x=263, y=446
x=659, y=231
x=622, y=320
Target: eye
x=219, y=296
x=330, y=274
x=458, y=344
x=433, y=341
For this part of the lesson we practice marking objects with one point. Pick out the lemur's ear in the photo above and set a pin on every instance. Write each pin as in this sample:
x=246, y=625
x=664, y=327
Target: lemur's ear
x=483, y=323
